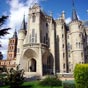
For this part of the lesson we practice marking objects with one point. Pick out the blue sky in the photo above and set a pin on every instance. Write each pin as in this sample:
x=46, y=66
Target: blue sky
x=59, y=5
x=16, y=9
x=56, y=6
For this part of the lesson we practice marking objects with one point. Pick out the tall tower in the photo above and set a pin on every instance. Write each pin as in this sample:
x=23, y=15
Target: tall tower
x=12, y=47
x=21, y=36
x=35, y=41
x=61, y=54
x=76, y=33
x=33, y=53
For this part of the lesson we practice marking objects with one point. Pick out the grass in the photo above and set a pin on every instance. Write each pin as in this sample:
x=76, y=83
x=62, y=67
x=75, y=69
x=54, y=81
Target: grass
x=33, y=84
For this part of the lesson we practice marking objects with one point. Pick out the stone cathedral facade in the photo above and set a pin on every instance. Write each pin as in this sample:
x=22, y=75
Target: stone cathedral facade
x=49, y=46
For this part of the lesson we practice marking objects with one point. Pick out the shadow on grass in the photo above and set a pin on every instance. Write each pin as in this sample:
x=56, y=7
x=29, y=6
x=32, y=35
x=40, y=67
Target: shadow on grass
x=27, y=86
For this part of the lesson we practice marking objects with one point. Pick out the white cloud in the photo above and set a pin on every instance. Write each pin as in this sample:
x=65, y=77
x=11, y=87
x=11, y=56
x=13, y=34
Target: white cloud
x=17, y=11
x=68, y=20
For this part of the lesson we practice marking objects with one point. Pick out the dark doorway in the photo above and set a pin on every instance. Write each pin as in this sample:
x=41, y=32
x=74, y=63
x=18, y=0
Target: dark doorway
x=33, y=65
x=48, y=66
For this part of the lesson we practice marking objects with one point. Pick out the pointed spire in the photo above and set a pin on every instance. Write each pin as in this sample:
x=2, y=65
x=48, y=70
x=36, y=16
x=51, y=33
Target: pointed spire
x=51, y=13
x=74, y=14
x=23, y=26
x=15, y=34
x=63, y=15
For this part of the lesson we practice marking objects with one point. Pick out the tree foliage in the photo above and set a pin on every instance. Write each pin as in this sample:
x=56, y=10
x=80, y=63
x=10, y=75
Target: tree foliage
x=3, y=31
x=15, y=77
x=81, y=75
x=1, y=56
x=51, y=81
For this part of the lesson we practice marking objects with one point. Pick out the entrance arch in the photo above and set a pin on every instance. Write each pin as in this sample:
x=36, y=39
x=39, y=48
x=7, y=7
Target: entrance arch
x=47, y=61
x=30, y=57
x=33, y=65
x=50, y=64
x=30, y=53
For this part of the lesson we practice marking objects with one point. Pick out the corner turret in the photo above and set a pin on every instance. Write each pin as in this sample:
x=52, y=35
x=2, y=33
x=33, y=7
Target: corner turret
x=21, y=38
x=15, y=34
x=74, y=14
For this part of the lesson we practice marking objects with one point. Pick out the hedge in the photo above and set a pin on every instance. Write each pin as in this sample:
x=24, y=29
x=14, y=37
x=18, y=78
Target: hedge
x=81, y=75
x=69, y=84
x=51, y=81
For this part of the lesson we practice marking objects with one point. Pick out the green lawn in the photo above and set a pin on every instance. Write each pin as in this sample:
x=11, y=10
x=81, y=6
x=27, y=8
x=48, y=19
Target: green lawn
x=34, y=84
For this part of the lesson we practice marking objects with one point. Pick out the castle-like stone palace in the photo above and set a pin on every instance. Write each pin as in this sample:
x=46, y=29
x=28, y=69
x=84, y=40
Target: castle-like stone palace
x=49, y=46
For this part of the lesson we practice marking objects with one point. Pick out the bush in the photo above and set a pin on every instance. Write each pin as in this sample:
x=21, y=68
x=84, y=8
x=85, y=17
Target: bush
x=51, y=81
x=81, y=75
x=3, y=78
x=69, y=84
x=15, y=78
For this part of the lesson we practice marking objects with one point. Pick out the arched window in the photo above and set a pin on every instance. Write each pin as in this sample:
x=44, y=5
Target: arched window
x=46, y=36
x=76, y=44
x=62, y=35
x=35, y=38
x=50, y=65
x=63, y=55
x=33, y=65
x=79, y=35
x=64, y=66
x=81, y=54
x=33, y=17
x=33, y=32
x=44, y=39
x=30, y=38
x=62, y=26
x=46, y=24
x=79, y=44
x=63, y=46
x=33, y=35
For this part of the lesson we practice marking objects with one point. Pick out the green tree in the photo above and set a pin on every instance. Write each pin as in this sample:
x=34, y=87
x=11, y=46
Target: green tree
x=81, y=75
x=1, y=56
x=51, y=81
x=15, y=77
x=3, y=31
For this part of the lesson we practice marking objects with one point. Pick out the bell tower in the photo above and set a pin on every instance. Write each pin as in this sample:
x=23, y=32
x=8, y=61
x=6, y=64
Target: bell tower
x=76, y=33
x=34, y=24
x=12, y=47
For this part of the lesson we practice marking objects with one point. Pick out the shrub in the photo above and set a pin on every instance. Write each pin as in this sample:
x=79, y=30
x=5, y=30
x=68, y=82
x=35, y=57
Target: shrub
x=51, y=81
x=69, y=84
x=81, y=75
x=15, y=77
x=2, y=79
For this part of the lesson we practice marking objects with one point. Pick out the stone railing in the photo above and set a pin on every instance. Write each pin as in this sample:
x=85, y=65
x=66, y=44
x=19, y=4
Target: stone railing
x=65, y=75
x=35, y=45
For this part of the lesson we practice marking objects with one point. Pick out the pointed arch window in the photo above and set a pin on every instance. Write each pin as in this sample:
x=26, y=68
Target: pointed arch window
x=64, y=66
x=33, y=17
x=33, y=37
x=33, y=32
x=79, y=44
x=33, y=65
x=62, y=35
x=76, y=44
x=81, y=54
x=62, y=26
x=44, y=39
x=30, y=38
